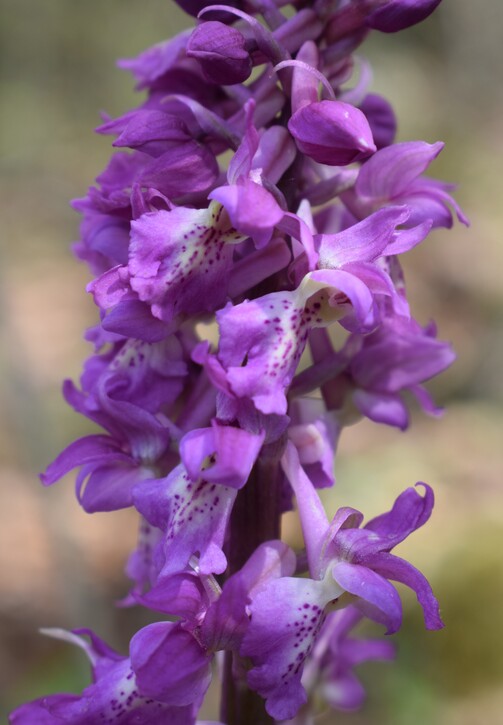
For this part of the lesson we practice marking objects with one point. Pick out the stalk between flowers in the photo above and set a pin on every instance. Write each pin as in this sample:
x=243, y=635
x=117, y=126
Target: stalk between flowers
x=255, y=519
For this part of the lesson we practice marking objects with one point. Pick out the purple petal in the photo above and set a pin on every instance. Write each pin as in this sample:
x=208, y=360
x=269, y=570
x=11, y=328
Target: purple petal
x=221, y=52
x=381, y=118
x=148, y=375
x=233, y=451
x=169, y=664
x=429, y=199
x=293, y=225
x=227, y=619
x=372, y=589
x=346, y=286
x=114, y=697
x=362, y=242
x=384, y=408
x=392, y=567
x=316, y=448
x=306, y=77
x=92, y=449
x=241, y=163
x=157, y=60
x=410, y=511
x=395, y=15
x=241, y=200
x=260, y=348
x=147, y=437
x=304, y=25
x=258, y=266
x=133, y=318
x=45, y=711
x=180, y=259
x=153, y=132
x=193, y=515
x=425, y=400
x=194, y=7
x=108, y=488
x=110, y=287
x=344, y=692
x=398, y=355
x=332, y=132
x=390, y=171
x=380, y=286
x=315, y=525
x=286, y=617
x=423, y=206
x=275, y=153
x=406, y=239
x=143, y=565
x=182, y=169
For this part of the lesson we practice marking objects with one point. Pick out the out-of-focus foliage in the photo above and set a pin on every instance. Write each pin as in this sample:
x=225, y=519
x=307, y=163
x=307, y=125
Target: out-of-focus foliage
x=60, y=567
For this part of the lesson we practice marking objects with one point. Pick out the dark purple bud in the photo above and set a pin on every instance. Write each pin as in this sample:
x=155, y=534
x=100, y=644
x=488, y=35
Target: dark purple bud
x=220, y=49
x=381, y=118
x=332, y=132
x=194, y=7
x=153, y=132
x=394, y=15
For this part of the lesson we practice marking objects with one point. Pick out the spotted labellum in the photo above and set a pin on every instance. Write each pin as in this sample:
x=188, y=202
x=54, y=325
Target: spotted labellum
x=255, y=204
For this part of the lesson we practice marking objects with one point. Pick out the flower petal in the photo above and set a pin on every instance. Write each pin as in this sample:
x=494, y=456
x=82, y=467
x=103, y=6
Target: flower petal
x=231, y=451
x=386, y=607
x=392, y=169
x=169, y=664
x=180, y=259
x=93, y=449
x=362, y=242
x=193, y=515
x=392, y=567
x=410, y=511
x=286, y=617
x=241, y=201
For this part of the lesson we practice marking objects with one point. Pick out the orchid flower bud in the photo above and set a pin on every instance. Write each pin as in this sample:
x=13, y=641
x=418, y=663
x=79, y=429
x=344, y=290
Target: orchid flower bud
x=221, y=52
x=332, y=132
x=394, y=15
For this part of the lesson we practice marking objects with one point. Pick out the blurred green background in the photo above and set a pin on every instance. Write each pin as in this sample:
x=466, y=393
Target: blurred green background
x=60, y=567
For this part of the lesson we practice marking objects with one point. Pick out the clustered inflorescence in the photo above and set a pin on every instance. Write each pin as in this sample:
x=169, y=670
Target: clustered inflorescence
x=263, y=190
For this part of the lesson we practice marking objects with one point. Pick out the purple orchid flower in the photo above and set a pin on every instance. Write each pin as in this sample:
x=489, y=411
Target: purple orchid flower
x=180, y=259
x=343, y=560
x=328, y=672
x=122, y=391
x=220, y=623
x=114, y=697
x=192, y=505
x=168, y=670
x=262, y=340
x=369, y=375
x=394, y=176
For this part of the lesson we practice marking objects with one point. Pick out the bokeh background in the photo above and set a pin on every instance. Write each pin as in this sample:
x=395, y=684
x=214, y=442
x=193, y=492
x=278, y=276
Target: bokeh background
x=60, y=567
